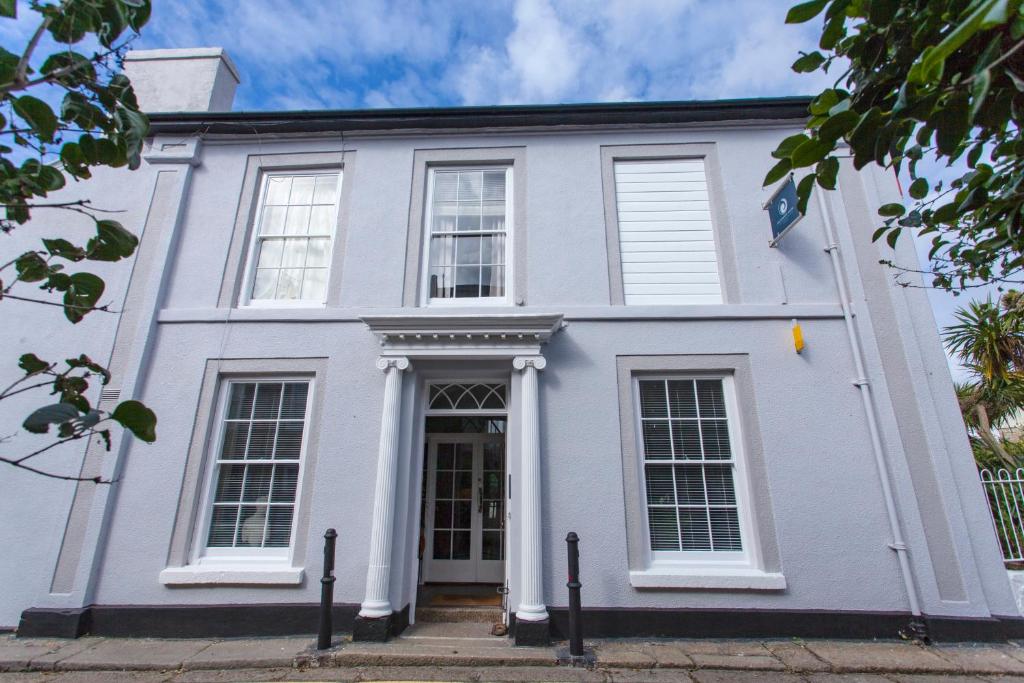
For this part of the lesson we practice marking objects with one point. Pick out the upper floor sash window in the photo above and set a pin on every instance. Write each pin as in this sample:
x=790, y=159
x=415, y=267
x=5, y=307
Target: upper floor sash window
x=293, y=239
x=469, y=221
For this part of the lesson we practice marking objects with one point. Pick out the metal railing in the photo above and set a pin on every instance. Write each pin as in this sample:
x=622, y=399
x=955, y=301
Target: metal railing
x=1005, y=491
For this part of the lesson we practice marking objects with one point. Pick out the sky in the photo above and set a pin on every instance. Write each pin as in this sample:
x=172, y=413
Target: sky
x=339, y=54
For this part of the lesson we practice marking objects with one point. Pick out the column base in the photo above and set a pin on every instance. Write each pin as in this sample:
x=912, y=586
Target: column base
x=533, y=633
x=374, y=630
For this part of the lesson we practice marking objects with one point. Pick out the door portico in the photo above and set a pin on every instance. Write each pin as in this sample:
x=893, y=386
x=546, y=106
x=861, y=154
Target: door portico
x=410, y=343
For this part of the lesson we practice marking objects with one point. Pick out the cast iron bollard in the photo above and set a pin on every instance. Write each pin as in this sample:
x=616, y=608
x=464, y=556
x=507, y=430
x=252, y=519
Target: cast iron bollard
x=575, y=618
x=323, y=641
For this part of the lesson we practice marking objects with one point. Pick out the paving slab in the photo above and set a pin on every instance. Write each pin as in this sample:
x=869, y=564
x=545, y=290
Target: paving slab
x=110, y=677
x=71, y=647
x=794, y=656
x=312, y=675
x=983, y=659
x=253, y=653
x=667, y=655
x=847, y=678
x=532, y=674
x=26, y=677
x=622, y=655
x=936, y=678
x=718, y=676
x=648, y=676
x=872, y=656
x=731, y=654
x=231, y=675
x=17, y=653
x=142, y=654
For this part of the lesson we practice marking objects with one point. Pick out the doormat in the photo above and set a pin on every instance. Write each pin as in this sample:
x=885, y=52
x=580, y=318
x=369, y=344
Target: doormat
x=456, y=600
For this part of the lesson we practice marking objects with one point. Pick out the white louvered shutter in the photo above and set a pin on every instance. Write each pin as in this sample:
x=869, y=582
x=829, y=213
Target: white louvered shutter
x=666, y=238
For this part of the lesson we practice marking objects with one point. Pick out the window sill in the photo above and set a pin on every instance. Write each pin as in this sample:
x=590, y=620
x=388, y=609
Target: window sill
x=195, y=575
x=705, y=578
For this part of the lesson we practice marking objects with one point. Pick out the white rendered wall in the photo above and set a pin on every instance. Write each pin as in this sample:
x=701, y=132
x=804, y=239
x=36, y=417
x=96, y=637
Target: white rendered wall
x=826, y=504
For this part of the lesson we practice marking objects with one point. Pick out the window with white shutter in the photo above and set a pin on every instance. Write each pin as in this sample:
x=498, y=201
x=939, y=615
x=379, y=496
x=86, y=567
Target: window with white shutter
x=691, y=472
x=666, y=236
x=468, y=225
x=257, y=467
x=293, y=239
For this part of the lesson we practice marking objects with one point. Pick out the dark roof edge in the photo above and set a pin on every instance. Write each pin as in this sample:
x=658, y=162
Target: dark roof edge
x=513, y=116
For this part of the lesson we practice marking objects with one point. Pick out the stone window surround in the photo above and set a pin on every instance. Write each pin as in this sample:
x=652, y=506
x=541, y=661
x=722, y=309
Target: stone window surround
x=426, y=159
x=721, y=228
x=184, y=535
x=767, y=572
x=241, y=235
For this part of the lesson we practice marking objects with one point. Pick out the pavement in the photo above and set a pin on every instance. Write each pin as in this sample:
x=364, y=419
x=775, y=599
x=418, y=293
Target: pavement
x=432, y=653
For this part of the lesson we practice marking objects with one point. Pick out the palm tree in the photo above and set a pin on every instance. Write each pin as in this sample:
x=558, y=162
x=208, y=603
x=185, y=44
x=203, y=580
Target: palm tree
x=989, y=340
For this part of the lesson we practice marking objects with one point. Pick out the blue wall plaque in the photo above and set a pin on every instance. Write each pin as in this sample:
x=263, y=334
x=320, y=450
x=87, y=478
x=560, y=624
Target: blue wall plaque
x=782, y=210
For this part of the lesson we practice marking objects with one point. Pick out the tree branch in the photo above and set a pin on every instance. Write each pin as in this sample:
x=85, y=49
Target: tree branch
x=21, y=71
x=52, y=475
x=105, y=308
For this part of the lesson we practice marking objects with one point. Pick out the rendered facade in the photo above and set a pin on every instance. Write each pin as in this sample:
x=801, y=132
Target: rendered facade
x=454, y=336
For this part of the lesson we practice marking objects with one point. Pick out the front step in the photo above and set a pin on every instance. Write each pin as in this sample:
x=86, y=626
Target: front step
x=481, y=615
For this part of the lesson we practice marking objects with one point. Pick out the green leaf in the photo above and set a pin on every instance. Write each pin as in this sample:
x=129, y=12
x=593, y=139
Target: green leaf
x=786, y=147
x=809, y=62
x=9, y=9
x=137, y=418
x=64, y=249
x=84, y=291
x=987, y=14
x=31, y=267
x=891, y=210
x=826, y=172
x=838, y=125
x=80, y=68
x=57, y=413
x=979, y=90
x=952, y=123
x=37, y=114
x=777, y=172
x=32, y=364
x=919, y=188
x=112, y=242
x=810, y=152
x=803, y=193
x=805, y=11
x=891, y=238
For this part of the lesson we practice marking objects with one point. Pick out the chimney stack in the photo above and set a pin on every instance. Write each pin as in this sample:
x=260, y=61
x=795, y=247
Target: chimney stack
x=186, y=80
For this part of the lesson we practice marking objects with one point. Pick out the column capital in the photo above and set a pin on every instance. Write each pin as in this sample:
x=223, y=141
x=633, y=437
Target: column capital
x=399, y=362
x=537, y=362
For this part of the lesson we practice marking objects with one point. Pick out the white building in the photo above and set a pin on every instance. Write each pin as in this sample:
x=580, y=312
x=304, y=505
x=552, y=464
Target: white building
x=459, y=334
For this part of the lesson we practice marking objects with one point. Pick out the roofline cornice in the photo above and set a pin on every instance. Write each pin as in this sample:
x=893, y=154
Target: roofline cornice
x=466, y=118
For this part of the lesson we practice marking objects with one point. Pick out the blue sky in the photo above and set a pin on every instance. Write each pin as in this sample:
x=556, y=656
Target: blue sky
x=316, y=54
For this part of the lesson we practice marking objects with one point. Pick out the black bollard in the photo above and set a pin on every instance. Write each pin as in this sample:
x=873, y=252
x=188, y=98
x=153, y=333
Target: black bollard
x=575, y=617
x=323, y=640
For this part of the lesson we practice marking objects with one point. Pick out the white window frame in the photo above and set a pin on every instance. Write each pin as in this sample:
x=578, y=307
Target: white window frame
x=706, y=562
x=248, y=281
x=428, y=227
x=203, y=556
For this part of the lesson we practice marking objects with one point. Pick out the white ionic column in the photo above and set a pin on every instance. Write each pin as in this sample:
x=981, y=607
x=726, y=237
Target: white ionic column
x=531, y=596
x=378, y=574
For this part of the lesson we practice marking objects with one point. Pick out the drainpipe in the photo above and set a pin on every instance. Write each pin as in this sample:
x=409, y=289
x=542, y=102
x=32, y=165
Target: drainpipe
x=917, y=628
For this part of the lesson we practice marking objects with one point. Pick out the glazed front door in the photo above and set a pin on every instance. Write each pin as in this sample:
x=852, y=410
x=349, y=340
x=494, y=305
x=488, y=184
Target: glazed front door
x=465, y=508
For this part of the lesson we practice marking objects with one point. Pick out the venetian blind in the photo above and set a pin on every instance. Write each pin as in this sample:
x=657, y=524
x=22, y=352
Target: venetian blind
x=258, y=465
x=688, y=466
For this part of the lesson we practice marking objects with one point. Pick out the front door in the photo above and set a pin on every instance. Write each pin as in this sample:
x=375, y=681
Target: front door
x=465, y=510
